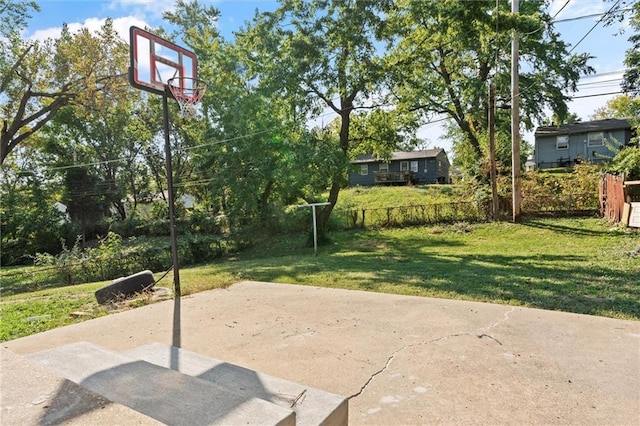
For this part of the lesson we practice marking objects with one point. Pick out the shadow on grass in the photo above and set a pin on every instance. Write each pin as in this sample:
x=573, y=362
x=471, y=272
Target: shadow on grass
x=570, y=283
x=564, y=229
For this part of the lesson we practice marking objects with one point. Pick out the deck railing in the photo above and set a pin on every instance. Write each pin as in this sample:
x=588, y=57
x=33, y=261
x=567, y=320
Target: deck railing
x=394, y=177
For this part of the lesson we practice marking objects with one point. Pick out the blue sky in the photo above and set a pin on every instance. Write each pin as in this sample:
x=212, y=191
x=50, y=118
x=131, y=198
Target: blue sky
x=607, y=48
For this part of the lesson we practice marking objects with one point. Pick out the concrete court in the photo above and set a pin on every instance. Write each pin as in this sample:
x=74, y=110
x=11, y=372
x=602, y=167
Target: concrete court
x=403, y=360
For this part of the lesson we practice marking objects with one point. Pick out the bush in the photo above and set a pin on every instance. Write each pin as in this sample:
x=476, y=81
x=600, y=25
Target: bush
x=69, y=262
x=627, y=161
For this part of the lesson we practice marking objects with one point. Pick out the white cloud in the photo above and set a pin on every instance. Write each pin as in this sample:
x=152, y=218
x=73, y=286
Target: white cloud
x=152, y=9
x=121, y=25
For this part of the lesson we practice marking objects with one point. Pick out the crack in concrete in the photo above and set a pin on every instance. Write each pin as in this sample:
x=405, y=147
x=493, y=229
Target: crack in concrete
x=497, y=323
x=480, y=336
x=428, y=342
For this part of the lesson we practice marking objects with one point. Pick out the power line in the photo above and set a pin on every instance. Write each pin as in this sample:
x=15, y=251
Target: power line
x=604, y=73
x=597, y=94
x=595, y=25
x=613, y=80
x=593, y=15
x=97, y=163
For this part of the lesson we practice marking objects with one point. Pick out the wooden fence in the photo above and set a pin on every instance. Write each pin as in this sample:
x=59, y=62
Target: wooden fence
x=611, y=197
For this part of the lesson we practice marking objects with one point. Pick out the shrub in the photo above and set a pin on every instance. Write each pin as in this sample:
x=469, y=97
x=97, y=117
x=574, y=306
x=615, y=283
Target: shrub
x=627, y=161
x=69, y=262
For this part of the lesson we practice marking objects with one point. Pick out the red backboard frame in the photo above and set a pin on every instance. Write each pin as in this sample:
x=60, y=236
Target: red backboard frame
x=183, y=61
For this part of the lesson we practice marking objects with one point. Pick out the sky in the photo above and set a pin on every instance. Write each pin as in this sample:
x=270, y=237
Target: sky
x=605, y=44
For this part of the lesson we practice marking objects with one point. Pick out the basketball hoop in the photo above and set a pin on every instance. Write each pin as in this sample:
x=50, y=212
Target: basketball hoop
x=188, y=92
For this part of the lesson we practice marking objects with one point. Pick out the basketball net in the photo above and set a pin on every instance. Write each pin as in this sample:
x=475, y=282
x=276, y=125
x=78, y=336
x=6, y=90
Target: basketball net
x=188, y=92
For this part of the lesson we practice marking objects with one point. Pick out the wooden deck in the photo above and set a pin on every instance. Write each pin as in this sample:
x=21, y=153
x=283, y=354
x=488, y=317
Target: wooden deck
x=405, y=177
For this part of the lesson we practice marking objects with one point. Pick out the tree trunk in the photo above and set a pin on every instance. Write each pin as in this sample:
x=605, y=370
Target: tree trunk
x=323, y=220
x=264, y=198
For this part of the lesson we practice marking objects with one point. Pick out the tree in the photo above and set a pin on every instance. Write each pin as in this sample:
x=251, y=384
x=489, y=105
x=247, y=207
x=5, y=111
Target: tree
x=112, y=140
x=445, y=52
x=617, y=13
x=85, y=198
x=30, y=222
x=627, y=158
x=631, y=82
x=38, y=79
x=623, y=106
x=570, y=118
x=319, y=55
x=259, y=162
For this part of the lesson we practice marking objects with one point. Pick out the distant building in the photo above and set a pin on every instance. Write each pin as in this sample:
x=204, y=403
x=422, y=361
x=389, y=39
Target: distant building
x=415, y=167
x=566, y=145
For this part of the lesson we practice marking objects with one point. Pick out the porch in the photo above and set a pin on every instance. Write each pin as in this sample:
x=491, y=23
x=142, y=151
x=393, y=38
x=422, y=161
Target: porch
x=405, y=177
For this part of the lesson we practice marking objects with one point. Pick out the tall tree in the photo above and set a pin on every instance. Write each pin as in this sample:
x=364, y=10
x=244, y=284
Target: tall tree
x=38, y=79
x=30, y=223
x=631, y=82
x=445, y=52
x=321, y=55
x=111, y=140
x=623, y=106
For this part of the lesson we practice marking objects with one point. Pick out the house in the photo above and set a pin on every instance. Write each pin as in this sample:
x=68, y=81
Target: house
x=415, y=167
x=588, y=141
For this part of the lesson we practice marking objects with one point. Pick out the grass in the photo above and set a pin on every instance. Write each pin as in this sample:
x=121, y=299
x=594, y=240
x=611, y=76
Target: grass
x=33, y=312
x=574, y=265
x=393, y=196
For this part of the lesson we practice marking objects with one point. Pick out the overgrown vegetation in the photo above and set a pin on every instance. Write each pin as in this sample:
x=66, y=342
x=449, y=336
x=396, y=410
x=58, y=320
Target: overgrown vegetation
x=145, y=244
x=89, y=141
x=574, y=265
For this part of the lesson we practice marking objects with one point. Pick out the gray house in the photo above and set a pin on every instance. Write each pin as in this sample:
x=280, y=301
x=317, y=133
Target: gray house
x=415, y=167
x=563, y=146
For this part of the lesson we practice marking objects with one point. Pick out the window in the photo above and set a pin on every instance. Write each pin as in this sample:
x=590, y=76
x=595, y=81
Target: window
x=404, y=166
x=364, y=169
x=384, y=167
x=562, y=142
x=595, y=139
x=414, y=166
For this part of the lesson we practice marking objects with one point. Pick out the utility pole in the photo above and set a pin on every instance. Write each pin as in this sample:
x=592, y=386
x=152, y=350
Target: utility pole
x=515, y=120
x=492, y=150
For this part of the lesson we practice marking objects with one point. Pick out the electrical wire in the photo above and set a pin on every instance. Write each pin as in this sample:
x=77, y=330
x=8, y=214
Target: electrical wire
x=597, y=94
x=561, y=9
x=593, y=15
x=595, y=25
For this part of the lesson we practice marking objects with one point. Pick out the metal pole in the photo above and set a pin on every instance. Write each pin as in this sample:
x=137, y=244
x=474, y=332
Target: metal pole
x=515, y=119
x=315, y=232
x=315, y=225
x=172, y=218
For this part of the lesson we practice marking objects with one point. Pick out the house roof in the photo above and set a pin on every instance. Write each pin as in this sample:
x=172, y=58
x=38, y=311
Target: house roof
x=584, y=127
x=399, y=156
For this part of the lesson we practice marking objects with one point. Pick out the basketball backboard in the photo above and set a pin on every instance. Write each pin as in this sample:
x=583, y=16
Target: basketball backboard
x=155, y=60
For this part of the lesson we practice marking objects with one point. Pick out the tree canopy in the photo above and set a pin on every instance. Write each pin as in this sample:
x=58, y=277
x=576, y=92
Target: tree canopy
x=443, y=54
x=292, y=100
x=39, y=78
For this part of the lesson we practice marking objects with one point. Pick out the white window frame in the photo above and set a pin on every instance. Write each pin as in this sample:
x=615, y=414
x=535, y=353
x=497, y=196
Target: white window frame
x=595, y=139
x=364, y=170
x=413, y=166
x=383, y=167
x=404, y=166
x=562, y=142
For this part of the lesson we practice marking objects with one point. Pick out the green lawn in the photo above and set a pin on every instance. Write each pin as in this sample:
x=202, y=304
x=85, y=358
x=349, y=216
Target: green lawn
x=574, y=265
x=393, y=196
